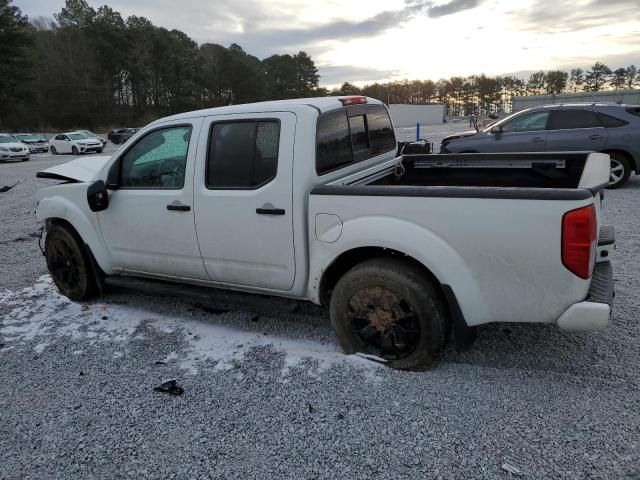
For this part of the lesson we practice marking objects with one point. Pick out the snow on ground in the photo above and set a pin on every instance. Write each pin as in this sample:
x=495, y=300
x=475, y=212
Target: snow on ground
x=40, y=313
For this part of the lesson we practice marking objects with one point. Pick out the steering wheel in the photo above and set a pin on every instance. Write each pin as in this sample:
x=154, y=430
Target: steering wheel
x=169, y=167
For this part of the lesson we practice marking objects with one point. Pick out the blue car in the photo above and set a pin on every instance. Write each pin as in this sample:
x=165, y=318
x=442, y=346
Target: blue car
x=599, y=127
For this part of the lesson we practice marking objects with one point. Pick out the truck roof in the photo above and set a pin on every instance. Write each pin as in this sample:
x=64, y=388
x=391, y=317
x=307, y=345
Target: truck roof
x=322, y=104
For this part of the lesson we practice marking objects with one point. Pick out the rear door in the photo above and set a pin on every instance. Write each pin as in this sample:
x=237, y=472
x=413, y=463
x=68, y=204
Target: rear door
x=243, y=199
x=575, y=129
x=524, y=133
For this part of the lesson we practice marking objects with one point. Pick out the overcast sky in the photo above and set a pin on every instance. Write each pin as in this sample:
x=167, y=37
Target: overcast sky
x=379, y=40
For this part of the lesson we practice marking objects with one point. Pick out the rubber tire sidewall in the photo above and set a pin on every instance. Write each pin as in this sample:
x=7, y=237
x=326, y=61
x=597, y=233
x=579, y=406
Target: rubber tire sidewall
x=408, y=281
x=627, y=170
x=53, y=151
x=86, y=288
x=74, y=150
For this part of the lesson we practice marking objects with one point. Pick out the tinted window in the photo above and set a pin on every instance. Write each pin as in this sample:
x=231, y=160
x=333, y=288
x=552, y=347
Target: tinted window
x=59, y=137
x=528, y=122
x=380, y=130
x=333, y=147
x=352, y=135
x=243, y=154
x=568, y=119
x=634, y=110
x=157, y=160
x=610, y=122
x=359, y=135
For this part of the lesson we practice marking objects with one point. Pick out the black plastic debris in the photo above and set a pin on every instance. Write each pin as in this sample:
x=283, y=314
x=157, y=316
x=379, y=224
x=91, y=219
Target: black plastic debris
x=6, y=188
x=170, y=386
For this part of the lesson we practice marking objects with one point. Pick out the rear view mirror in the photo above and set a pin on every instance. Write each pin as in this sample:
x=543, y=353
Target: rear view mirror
x=97, y=196
x=496, y=129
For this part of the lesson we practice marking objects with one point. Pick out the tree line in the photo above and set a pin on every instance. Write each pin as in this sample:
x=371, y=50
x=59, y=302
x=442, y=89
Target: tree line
x=93, y=68
x=480, y=94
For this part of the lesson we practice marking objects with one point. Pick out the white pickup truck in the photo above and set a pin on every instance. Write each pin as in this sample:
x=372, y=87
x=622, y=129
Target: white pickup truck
x=309, y=199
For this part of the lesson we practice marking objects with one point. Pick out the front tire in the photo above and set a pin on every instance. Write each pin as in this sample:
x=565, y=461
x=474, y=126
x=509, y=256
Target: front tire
x=68, y=263
x=74, y=150
x=620, y=170
x=388, y=308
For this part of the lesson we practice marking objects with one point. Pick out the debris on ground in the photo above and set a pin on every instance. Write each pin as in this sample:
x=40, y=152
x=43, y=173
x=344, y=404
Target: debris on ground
x=170, y=386
x=6, y=188
x=507, y=467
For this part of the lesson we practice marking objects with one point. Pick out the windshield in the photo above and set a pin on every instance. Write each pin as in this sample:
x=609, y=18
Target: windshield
x=7, y=139
x=78, y=136
x=88, y=133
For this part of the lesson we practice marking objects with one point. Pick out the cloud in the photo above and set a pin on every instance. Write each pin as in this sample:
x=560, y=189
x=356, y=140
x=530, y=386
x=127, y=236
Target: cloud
x=558, y=16
x=454, y=6
x=338, y=74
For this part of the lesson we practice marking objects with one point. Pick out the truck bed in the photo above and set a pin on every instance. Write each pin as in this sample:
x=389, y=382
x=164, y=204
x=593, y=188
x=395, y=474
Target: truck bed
x=563, y=170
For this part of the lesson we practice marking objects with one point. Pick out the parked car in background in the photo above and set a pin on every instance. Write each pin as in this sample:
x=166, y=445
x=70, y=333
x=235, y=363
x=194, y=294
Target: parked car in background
x=114, y=135
x=12, y=149
x=75, y=143
x=599, y=127
x=308, y=199
x=35, y=142
x=130, y=132
x=93, y=135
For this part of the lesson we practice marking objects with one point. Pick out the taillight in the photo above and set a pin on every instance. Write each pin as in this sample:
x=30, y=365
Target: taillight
x=579, y=238
x=353, y=100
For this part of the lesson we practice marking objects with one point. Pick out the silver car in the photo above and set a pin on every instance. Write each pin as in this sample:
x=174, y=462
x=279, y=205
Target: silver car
x=598, y=127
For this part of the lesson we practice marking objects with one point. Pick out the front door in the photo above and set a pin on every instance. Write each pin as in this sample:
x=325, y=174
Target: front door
x=524, y=133
x=243, y=199
x=149, y=224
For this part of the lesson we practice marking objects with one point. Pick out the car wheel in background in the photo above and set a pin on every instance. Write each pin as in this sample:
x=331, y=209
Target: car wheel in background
x=388, y=308
x=68, y=264
x=74, y=150
x=620, y=170
x=53, y=150
x=100, y=151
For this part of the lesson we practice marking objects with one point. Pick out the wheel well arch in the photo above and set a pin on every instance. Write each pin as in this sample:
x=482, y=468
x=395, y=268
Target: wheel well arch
x=350, y=258
x=96, y=270
x=624, y=153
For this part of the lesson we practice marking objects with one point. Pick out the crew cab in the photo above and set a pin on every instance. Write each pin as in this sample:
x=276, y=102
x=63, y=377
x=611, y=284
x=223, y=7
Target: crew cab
x=309, y=199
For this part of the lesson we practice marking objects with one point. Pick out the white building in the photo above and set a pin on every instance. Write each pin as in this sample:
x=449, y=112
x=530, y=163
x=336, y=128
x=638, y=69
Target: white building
x=404, y=115
x=629, y=97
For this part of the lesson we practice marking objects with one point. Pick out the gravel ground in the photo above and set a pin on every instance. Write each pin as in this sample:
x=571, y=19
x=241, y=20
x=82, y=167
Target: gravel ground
x=268, y=394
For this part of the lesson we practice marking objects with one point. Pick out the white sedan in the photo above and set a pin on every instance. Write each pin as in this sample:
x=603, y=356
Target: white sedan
x=12, y=149
x=74, y=143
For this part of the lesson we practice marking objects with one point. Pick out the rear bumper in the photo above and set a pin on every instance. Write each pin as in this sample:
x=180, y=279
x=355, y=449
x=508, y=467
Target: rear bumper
x=592, y=314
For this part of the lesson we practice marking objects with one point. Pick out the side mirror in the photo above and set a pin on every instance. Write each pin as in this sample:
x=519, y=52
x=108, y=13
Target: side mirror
x=97, y=196
x=496, y=130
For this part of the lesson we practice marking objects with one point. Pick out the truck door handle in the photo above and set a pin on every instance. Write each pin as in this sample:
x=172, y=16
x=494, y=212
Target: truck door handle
x=537, y=140
x=179, y=207
x=268, y=209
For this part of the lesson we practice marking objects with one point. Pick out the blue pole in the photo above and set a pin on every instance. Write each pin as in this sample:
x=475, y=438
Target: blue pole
x=417, y=131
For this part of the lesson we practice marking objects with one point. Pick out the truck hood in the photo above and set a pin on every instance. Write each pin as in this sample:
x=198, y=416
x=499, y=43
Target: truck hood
x=79, y=170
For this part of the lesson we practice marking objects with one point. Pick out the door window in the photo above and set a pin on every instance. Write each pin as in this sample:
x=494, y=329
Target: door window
x=570, y=119
x=242, y=154
x=529, y=122
x=157, y=160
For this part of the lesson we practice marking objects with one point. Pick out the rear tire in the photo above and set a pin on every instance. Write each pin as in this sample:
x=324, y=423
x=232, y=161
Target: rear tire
x=620, y=170
x=388, y=308
x=53, y=150
x=68, y=263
